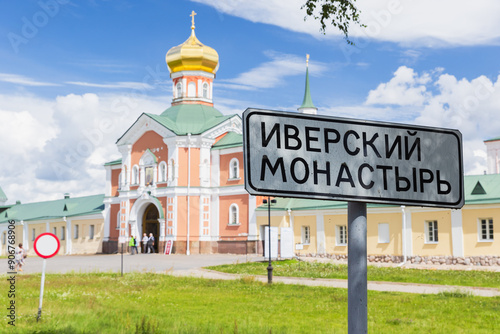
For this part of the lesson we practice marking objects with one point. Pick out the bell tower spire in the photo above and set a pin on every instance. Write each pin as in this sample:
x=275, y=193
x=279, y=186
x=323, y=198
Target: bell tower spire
x=307, y=106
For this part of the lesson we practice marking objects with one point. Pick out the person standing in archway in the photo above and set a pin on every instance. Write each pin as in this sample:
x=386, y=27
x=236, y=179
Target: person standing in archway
x=144, y=243
x=151, y=243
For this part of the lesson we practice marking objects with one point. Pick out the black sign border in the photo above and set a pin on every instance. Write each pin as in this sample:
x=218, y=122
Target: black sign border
x=338, y=197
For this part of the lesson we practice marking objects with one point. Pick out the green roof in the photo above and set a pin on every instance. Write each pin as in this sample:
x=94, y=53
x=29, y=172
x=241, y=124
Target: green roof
x=492, y=139
x=479, y=189
x=114, y=162
x=3, y=197
x=190, y=118
x=67, y=207
x=482, y=189
x=307, y=102
x=231, y=139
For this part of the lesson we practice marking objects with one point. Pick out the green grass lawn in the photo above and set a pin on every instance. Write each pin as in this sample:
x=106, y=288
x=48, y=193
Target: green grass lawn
x=294, y=268
x=158, y=303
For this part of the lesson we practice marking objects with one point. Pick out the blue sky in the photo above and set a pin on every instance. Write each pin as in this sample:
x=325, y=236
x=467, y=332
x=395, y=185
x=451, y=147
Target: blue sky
x=68, y=66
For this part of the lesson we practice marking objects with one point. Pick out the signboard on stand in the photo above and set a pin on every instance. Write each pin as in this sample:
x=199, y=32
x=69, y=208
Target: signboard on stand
x=46, y=245
x=310, y=156
x=168, y=246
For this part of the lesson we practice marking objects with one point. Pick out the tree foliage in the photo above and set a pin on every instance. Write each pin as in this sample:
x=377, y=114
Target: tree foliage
x=339, y=13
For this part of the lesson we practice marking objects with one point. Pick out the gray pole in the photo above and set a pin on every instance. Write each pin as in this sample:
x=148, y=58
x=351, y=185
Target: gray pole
x=41, y=291
x=270, y=267
x=357, y=310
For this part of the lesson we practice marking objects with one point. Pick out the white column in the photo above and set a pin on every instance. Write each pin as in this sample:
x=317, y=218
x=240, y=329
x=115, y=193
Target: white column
x=142, y=172
x=252, y=218
x=320, y=234
x=107, y=221
x=162, y=229
x=409, y=237
x=457, y=237
x=69, y=245
x=25, y=235
x=214, y=217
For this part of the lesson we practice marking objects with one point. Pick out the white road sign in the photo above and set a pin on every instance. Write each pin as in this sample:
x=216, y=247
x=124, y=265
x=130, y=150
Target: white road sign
x=310, y=156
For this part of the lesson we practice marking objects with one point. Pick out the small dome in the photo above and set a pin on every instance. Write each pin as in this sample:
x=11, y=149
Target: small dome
x=192, y=55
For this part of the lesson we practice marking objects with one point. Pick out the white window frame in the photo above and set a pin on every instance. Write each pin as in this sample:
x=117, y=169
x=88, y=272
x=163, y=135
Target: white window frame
x=91, y=231
x=340, y=235
x=63, y=232
x=77, y=232
x=305, y=235
x=234, y=210
x=384, y=236
x=4, y=238
x=431, y=232
x=489, y=230
x=162, y=172
x=205, y=90
x=54, y=231
x=234, y=174
x=178, y=90
x=118, y=221
x=135, y=175
x=33, y=234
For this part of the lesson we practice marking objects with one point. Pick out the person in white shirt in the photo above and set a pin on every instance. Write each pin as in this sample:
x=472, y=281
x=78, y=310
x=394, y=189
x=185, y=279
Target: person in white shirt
x=145, y=242
x=20, y=254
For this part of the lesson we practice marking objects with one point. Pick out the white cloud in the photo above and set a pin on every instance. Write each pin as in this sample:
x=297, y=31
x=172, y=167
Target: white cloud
x=23, y=80
x=53, y=146
x=116, y=85
x=406, y=88
x=411, y=23
x=272, y=73
x=470, y=106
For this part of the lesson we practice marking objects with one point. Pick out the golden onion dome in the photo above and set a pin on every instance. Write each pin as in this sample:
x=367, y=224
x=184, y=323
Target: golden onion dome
x=192, y=55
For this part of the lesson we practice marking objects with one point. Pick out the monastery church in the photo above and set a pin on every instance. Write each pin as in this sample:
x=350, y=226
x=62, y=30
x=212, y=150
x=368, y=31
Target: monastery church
x=180, y=177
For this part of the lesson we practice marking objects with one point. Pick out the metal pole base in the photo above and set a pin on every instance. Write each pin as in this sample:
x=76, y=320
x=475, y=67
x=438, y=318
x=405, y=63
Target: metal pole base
x=39, y=314
x=270, y=274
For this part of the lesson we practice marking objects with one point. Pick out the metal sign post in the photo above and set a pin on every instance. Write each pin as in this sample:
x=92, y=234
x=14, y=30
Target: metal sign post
x=46, y=245
x=311, y=156
x=357, y=281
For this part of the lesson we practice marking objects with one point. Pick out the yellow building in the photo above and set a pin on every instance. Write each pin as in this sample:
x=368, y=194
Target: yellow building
x=467, y=236
x=77, y=222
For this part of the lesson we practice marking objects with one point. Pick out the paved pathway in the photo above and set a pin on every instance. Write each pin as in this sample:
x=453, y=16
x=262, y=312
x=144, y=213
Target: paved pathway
x=182, y=265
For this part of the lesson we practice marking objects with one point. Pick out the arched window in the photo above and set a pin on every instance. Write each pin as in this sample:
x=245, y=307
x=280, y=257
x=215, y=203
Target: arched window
x=191, y=89
x=234, y=215
x=234, y=169
x=162, y=172
x=205, y=90
x=135, y=175
x=179, y=89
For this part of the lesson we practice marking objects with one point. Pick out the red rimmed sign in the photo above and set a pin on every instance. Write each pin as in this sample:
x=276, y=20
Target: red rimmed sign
x=46, y=245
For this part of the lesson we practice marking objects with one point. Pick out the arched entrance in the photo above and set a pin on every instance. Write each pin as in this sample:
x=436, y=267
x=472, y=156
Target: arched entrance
x=150, y=223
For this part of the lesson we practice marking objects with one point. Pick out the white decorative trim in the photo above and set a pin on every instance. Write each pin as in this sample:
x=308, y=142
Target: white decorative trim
x=143, y=124
x=192, y=73
x=232, y=124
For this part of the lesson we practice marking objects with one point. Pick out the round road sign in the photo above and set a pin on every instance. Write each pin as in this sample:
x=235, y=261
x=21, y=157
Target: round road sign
x=46, y=245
